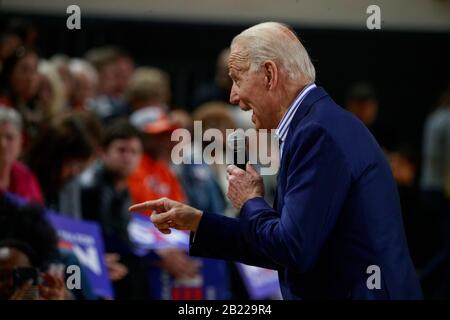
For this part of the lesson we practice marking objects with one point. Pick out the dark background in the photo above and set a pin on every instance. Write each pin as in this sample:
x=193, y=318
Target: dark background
x=408, y=69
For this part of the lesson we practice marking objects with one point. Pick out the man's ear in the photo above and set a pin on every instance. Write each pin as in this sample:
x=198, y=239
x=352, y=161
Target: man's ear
x=270, y=74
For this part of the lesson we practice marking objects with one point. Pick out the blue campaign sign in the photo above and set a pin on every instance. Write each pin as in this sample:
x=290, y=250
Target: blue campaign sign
x=210, y=284
x=85, y=240
x=145, y=236
x=260, y=283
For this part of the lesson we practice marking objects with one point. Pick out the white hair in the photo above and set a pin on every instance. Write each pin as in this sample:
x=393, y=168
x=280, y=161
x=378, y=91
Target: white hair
x=9, y=115
x=79, y=66
x=277, y=42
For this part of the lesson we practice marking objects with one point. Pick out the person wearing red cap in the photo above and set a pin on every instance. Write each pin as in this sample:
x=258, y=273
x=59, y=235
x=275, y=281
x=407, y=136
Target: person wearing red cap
x=148, y=94
x=153, y=178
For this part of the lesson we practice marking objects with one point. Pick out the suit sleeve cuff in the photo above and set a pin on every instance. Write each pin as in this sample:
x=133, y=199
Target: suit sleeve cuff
x=210, y=228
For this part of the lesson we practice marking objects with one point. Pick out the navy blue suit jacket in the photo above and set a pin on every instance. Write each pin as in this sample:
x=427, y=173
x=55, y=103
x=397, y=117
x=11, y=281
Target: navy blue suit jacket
x=336, y=213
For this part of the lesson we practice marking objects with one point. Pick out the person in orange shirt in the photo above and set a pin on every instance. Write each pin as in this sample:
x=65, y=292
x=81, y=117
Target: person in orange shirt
x=153, y=177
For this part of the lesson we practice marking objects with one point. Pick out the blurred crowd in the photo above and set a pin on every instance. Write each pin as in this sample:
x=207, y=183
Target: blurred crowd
x=88, y=136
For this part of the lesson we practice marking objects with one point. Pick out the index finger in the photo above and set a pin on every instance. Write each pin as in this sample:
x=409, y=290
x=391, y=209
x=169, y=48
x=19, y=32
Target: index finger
x=232, y=169
x=159, y=205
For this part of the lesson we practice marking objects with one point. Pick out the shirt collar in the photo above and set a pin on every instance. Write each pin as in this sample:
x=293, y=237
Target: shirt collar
x=283, y=126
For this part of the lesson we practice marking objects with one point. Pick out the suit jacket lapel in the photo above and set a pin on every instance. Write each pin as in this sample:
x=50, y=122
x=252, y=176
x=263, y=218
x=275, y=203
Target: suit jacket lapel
x=313, y=96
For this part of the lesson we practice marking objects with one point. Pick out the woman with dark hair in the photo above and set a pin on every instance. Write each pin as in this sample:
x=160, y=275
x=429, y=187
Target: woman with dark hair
x=28, y=240
x=60, y=154
x=17, y=257
x=19, y=84
x=27, y=223
x=19, y=79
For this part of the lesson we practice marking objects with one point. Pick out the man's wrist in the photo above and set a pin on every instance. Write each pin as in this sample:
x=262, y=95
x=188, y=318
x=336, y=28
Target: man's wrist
x=253, y=196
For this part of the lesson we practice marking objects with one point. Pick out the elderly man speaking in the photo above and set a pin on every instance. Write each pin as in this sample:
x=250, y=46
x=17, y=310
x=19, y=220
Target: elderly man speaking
x=335, y=230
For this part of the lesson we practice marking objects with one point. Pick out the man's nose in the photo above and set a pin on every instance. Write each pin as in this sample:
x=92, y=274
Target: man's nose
x=234, y=97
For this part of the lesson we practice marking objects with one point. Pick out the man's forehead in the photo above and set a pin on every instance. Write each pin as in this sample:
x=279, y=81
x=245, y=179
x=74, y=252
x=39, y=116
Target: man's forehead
x=238, y=60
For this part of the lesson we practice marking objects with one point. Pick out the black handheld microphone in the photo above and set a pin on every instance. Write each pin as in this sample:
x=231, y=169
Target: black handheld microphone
x=238, y=143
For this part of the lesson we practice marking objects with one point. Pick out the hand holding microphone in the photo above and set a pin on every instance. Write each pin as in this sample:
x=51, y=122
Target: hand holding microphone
x=244, y=182
x=238, y=143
